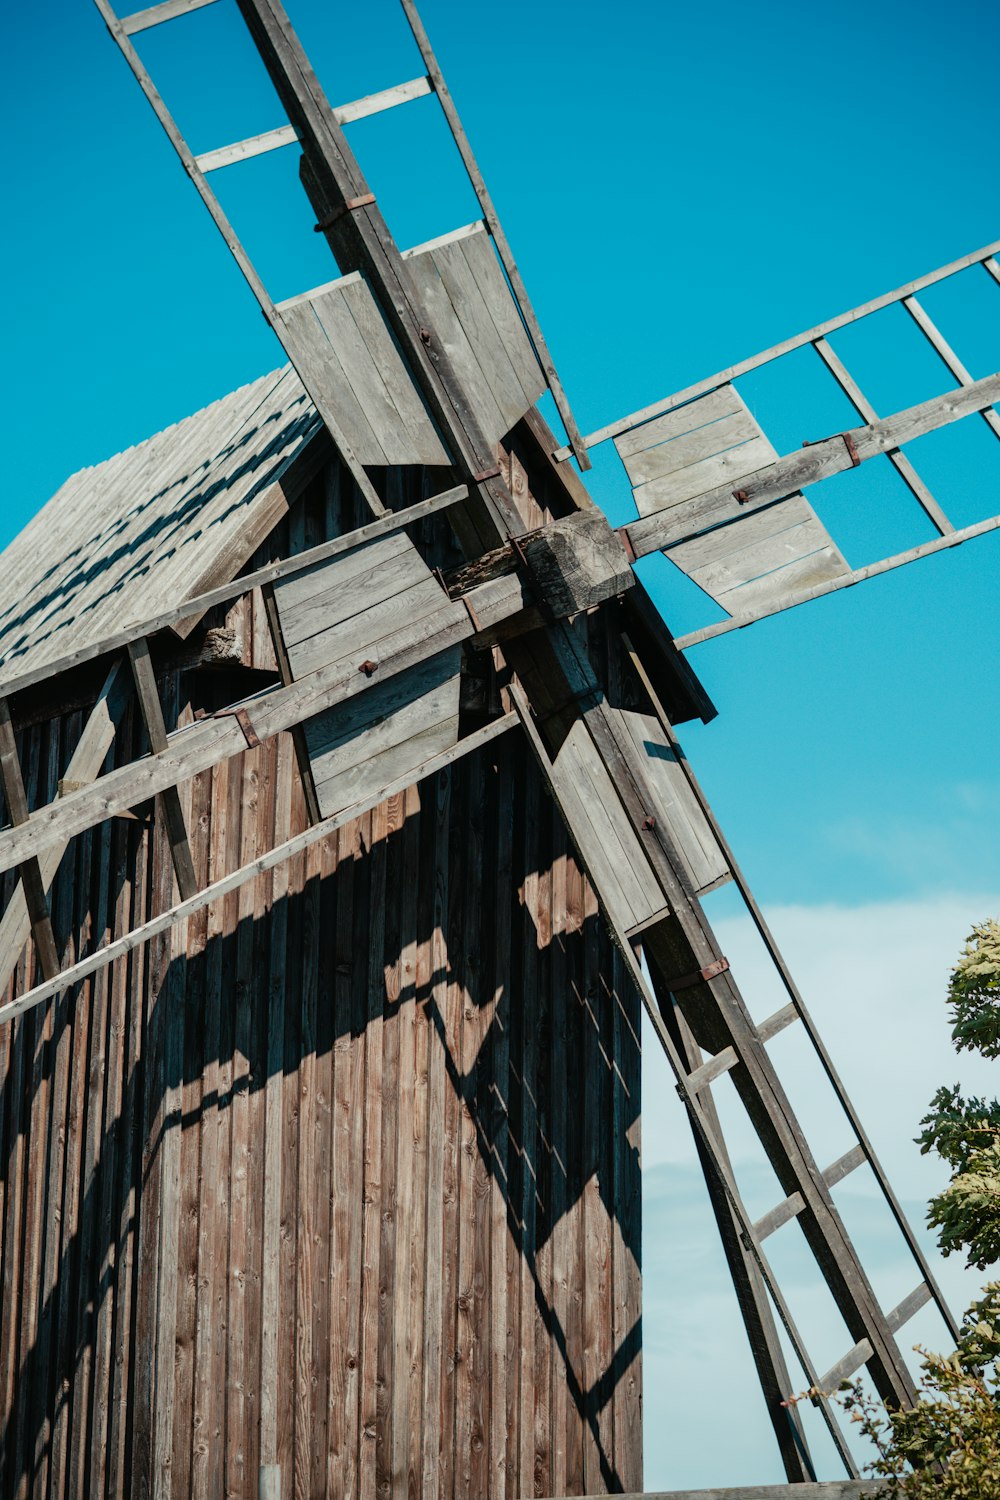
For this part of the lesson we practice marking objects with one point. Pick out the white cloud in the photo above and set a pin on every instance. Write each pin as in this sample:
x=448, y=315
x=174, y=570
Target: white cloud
x=873, y=978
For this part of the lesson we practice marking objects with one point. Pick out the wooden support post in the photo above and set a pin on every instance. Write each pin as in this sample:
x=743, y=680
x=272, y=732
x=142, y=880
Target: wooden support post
x=170, y=800
x=84, y=766
x=32, y=884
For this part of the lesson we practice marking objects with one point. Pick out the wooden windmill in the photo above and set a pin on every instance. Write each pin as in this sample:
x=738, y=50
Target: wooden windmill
x=349, y=826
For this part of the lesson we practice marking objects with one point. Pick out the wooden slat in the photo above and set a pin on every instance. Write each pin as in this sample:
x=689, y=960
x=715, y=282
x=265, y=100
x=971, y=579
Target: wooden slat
x=910, y=1305
x=373, y=104
x=759, y=556
x=789, y=1207
x=402, y=724
x=778, y=1021
x=173, y=813
x=673, y=803
x=711, y=1070
x=846, y=1366
x=857, y=575
x=818, y=461
x=155, y=15
x=254, y=145
x=608, y=846
x=32, y=881
x=284, y=135
x=787, y=346
x=867, y=413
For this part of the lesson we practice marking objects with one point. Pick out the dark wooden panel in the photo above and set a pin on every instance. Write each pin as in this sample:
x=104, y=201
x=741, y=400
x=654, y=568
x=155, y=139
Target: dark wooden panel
x=323, y=1167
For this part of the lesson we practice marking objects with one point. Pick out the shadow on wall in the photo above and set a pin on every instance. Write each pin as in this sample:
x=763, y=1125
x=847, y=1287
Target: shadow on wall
x=352, y=1185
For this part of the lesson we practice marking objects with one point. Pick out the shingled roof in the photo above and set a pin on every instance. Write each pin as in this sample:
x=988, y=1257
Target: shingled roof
x=150, y=527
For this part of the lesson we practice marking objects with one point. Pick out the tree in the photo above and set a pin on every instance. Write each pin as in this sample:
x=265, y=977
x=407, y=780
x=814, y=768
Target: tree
x=948, y=1446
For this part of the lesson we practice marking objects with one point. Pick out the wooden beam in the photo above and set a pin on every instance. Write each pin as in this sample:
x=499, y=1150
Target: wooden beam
x=170, y=799
x=209, y=894
x=722, y=377
x=32, y=884
x=820, y=460
x=202, y=744
x=199, y=604
x=531, y=323
x=913, y=554
x=284, y=135
x=84, y=766
x=867, y=413
x=155, y=15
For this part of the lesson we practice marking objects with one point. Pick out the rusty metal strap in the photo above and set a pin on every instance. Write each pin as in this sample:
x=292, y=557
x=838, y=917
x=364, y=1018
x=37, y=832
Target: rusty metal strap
x=244, y=721
x=701, y=976
x=347, y=207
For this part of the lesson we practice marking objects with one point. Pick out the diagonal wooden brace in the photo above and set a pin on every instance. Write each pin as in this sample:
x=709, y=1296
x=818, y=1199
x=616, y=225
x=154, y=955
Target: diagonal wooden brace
x=32, y=884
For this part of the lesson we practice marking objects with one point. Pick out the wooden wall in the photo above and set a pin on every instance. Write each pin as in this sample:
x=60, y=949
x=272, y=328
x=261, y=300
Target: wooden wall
x=345, y=1177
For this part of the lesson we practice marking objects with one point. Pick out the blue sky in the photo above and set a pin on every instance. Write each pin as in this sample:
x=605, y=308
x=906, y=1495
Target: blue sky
x=682, y=186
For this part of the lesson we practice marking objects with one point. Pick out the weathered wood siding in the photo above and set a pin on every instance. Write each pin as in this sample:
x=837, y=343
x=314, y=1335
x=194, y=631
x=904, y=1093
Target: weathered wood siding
x=345, y=1179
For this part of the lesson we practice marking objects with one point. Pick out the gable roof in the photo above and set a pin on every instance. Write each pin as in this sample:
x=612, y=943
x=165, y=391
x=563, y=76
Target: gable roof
x=147, y=529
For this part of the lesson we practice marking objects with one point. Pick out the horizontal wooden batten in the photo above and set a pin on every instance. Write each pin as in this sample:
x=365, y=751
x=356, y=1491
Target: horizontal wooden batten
x=283, y=852
x=983, y=257
x=793, y=1205
x=778, y=1021
x=721, y=1063
x=155, y=15
x=905, y=1310
x=284, y=135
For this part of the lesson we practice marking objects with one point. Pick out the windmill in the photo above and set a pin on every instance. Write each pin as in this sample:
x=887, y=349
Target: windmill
x=427, y=626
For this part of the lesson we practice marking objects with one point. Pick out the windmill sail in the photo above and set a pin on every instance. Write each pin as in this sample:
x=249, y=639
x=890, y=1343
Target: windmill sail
x=717, y=499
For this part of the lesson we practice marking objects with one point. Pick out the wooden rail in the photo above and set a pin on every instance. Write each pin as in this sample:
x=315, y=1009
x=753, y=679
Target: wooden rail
x=983, y=257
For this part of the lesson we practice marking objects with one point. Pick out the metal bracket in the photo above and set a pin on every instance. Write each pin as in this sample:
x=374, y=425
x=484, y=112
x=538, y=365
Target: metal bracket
x=848, y=444
x=701, y=976
x=477, y=623
x=244, y=721
x=347, y=207
x=621, y=532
